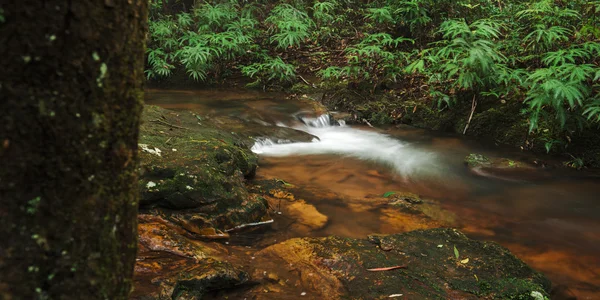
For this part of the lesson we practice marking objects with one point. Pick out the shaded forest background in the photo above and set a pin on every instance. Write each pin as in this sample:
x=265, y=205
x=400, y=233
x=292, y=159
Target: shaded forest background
x=535, y=63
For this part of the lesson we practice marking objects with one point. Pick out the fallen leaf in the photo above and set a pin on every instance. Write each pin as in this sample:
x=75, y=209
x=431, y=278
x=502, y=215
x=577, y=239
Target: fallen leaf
x=464, y=261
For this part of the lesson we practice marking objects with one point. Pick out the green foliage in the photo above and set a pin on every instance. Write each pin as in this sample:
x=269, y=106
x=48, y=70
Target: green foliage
x=564, y=84
x=413, y=13
x=271, y=71
x=544, y=38
x=215, y=16
x=373, y=59
x=468, y=58
x=289, y=26
x=381, y=15
x=543, y=53
x=205, y=41
x=323, y=12
x=388, y=194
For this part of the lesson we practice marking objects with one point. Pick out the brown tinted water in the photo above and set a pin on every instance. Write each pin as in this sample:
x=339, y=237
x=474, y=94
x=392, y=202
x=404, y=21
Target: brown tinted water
x=549, y=217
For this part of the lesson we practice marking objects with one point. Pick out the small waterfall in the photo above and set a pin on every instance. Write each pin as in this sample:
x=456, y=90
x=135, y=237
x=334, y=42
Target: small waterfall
x=322, y=121
x=403, y=157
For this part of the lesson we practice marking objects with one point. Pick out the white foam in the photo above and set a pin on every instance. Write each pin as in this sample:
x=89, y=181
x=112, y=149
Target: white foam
x=343, y=140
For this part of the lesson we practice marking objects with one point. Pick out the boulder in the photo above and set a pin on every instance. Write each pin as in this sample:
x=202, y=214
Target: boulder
x=422, y=264
x=189, y=165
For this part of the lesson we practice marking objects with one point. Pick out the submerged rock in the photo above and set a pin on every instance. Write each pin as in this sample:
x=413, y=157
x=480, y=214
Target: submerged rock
x=503, y=168
x=421, y=264
x=475, y=160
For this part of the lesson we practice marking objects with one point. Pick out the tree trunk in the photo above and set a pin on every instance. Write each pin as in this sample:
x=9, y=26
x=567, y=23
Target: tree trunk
x=70, y=101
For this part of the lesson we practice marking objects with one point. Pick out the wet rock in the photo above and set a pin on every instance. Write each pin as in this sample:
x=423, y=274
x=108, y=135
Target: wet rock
x=420, y=264
x=172, y=266
x=503, y=168
x=409, y=211
x=345, y=118
x=157, y=234
x=475, y=160
x=282, y=135
x=306, y=215
x=196, y=168
x=411, y=198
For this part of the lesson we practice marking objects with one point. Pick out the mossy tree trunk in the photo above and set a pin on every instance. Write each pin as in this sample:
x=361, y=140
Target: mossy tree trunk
x=70, y=100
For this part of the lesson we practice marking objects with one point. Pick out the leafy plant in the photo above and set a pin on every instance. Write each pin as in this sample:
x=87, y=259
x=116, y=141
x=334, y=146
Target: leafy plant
x=205, y=41
x=289, y=26
x=323, y=12
x=271, y=71
x=371, y=60
x=382, y=15
x=468, y=58
x=388, y=194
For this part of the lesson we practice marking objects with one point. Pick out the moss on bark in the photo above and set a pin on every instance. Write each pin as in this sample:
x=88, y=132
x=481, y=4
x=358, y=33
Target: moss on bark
x=71, y=96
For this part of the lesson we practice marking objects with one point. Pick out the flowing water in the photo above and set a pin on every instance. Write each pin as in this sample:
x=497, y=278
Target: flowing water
x=549, y=217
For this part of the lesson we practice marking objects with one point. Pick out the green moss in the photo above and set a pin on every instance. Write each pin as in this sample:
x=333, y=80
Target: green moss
x=200, y=168
x=474, y=160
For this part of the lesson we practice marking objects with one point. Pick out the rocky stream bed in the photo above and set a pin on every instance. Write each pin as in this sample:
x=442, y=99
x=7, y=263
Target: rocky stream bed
x=199, y=193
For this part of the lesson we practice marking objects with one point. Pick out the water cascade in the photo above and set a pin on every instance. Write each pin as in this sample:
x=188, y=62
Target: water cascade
x=335, y=138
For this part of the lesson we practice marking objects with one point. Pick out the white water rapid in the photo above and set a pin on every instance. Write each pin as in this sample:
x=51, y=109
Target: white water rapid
x=339, y=139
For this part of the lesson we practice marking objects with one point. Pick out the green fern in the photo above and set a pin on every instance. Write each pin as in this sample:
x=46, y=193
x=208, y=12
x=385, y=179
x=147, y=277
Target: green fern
x=592, y=110
x=289, y=26
x=323, y=12
x=184, y=20
x=414, y=13
x=271, y=71
x=382, y=15
x=216, y=16
x=544, y=38
x=372, y=59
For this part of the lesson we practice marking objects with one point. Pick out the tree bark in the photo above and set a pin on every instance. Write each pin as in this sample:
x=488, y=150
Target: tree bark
x=70, y=103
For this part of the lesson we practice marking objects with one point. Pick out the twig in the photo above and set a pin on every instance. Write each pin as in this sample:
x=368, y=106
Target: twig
x=307, y=83
x=168, y=140
x=473, y=106
x=250, y=225
x=367, y=122
x=167, y=124
x=386, y=268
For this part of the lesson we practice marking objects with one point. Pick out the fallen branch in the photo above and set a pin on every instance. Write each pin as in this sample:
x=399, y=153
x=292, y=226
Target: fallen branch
x=473, y=106
x=307, y=83
x=167, y=124
x=249, y=225
x=386, y=268
x=367, y=122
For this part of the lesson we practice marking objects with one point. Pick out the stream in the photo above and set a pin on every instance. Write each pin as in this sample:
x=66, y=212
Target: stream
x=548, y=217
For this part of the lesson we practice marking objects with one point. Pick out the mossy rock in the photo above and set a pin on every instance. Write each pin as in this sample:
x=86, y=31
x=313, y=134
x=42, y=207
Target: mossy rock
x=428, y=267
x=188, y=164
x=475, y=160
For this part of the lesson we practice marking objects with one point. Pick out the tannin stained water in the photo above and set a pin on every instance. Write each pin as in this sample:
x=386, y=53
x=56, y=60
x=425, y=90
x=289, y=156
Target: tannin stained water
x=548, y=218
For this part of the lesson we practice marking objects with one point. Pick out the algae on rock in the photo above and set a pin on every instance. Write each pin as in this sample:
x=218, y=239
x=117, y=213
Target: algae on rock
x=198, y=169
x=429, y=268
